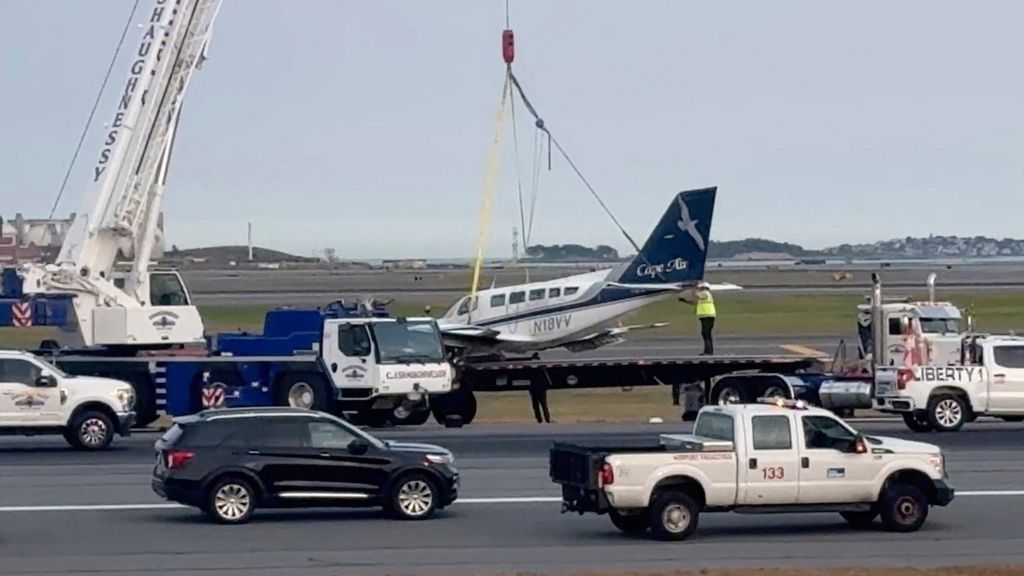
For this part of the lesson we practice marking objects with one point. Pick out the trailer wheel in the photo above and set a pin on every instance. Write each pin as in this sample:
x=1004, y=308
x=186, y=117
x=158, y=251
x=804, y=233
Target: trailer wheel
x=726, y=394
x=303, y=390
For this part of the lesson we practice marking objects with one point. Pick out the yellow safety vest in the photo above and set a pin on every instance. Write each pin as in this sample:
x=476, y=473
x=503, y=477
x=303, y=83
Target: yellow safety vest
x=705, y=305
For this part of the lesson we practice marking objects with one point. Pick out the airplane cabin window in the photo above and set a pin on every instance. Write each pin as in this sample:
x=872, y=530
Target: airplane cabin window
x=554, y=292
x=497, y=300
x=536, y=294
x=517, y=297
x=571, y=290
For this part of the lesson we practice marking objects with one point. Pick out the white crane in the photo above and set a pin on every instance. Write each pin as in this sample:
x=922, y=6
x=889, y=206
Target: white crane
x=140, y=307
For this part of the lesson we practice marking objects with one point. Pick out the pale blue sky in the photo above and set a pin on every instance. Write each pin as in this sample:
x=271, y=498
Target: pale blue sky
x=364, y=126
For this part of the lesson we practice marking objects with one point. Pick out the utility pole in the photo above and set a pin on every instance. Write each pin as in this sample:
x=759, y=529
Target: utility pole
x=515, y=245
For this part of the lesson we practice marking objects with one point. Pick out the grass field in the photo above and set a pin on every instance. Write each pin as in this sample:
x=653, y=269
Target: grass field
x=737, y=314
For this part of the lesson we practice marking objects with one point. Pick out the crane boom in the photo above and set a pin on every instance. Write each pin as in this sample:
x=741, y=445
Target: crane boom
x=128, y=179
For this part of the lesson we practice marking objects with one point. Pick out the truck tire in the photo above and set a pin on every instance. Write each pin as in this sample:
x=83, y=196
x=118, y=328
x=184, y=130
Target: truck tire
x=417, y=416
x=728, y=394
x=674, y=516
x=918, y=422
x=632, y=524
x=303, y=390
x=90, y=430
x=904, y=508
x=460, y=403
x=947, y=412
x=860, y=520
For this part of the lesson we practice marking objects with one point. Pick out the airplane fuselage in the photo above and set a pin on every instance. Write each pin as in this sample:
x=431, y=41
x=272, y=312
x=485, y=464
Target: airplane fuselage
x=541, y=315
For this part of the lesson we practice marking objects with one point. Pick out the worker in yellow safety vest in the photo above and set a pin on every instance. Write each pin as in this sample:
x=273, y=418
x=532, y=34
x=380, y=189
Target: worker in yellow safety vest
x=705, y=309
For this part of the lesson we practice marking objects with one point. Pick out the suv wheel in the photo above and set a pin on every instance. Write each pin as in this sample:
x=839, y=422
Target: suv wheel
x=231, y=501
x=674, y=516
x=904, y=508
x=90, y=430
x=947, y=413
x=413, y=497
x=632, y=524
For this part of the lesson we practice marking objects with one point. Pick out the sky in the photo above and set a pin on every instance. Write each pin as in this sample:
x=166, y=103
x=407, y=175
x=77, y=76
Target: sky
x=365, y=126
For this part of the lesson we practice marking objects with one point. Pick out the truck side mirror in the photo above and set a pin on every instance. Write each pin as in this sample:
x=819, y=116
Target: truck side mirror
x=46, y=381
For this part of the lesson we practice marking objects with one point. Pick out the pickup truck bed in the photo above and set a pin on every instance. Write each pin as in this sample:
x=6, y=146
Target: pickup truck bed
x=577, y=468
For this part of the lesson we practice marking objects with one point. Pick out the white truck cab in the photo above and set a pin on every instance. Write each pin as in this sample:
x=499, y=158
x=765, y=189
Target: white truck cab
x=988, y=379
x=773, y=456
x=37, y=398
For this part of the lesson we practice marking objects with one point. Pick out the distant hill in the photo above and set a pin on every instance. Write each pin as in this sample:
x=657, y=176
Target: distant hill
x=571, y=253
x=758, y=247
x=225, y=254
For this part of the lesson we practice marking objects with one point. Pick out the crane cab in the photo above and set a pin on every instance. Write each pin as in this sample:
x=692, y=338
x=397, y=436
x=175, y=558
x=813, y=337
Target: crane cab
x=165, y=287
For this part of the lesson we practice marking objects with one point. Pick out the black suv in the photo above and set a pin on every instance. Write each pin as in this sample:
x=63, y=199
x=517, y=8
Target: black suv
x=229, y=461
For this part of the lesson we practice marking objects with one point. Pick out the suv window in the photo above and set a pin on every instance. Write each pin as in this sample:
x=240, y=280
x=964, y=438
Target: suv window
x=826, y=433
x=1009, y=356
x=278, y=432
x=328, y=435
x=18, y=370
x=354, y=340
x=772, y=433
x=713, y=425
x=228, y=432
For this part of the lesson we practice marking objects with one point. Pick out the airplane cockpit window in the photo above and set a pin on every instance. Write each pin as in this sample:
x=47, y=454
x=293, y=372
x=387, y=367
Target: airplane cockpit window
x=571, y=290
x=497, y=301
x=537, y=294
x=554, y=292
x=463, y=307
x=517, y=298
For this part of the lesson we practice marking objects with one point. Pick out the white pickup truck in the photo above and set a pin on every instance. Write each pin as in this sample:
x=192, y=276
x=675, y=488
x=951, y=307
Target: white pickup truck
x=755, y=458
x=37, y=398
x=989, y=381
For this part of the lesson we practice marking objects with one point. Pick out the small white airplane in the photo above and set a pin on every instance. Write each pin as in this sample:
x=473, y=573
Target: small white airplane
x=577, y=312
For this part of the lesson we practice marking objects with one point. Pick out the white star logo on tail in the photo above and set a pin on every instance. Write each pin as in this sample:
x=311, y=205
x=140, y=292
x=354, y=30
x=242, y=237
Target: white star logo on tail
x=687, y=224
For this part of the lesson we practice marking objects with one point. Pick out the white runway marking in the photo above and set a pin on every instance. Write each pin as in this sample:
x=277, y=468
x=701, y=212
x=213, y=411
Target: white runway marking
x=463, y=501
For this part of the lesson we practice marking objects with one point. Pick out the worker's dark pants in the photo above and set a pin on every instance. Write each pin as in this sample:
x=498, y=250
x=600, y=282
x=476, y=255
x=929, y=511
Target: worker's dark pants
x=707, y=324
x=539, y=398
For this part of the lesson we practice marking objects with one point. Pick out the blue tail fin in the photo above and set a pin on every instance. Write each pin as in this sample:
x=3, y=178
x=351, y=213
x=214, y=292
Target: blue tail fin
x=677, y=249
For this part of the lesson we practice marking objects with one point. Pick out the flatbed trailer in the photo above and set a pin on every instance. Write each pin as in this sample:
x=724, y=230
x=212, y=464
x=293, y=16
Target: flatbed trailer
x=689, y=375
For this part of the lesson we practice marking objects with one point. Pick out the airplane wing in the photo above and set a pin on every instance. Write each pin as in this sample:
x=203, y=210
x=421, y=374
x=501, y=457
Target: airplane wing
x=714, y=287
x=606, y=337
x=468, y=334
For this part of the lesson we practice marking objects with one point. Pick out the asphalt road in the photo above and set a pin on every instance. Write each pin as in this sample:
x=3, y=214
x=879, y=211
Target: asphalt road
x=65, y=512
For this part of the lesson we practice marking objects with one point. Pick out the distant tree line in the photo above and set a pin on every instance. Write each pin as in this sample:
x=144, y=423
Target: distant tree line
x=570, y=252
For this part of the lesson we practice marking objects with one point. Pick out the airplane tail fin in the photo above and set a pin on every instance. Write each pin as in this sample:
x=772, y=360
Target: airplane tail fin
x=676, y=251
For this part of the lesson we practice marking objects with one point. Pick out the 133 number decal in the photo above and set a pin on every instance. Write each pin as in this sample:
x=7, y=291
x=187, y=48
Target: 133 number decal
x=773, y=473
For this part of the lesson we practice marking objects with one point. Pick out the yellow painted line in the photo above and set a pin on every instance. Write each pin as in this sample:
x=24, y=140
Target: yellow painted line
x=804, y=350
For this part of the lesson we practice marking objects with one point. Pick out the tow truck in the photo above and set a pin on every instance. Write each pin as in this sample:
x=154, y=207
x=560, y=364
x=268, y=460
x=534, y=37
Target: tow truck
x=137, y=323
x=774, y=456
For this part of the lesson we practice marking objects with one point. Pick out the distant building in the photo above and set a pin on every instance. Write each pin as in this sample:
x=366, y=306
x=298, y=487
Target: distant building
x=405, y=264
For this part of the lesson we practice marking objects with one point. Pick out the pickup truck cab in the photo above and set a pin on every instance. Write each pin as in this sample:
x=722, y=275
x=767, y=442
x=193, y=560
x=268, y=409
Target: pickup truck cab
x=37, y=398
x=988, y=381
x=777, y=456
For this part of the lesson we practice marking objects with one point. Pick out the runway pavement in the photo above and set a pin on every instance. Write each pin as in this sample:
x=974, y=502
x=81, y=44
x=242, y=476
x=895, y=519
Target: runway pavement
x=66, y=512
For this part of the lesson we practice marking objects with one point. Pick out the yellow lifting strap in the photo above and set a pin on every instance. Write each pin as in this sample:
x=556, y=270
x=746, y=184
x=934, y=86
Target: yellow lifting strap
x=490, y=182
